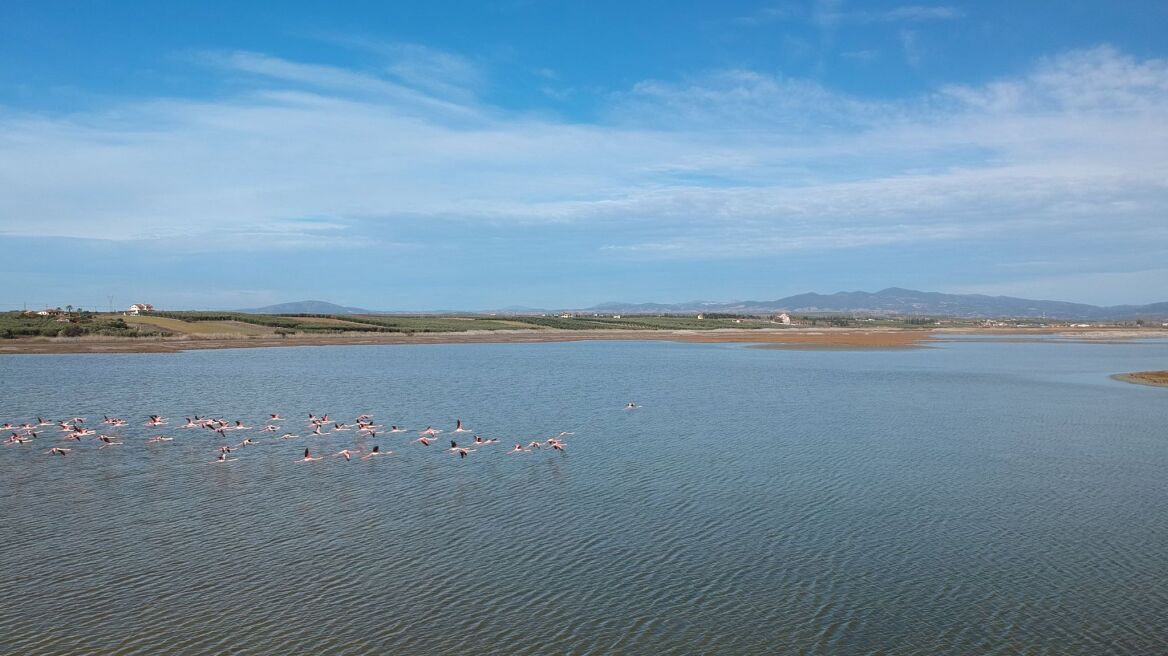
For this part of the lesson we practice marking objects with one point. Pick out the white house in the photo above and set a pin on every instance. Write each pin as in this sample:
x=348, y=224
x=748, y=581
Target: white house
x=141, y=308
x=784, y=319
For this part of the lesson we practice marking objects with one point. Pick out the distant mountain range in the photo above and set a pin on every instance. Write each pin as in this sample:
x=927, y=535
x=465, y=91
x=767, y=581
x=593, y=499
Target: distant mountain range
x=307, y=307
x=893, y=301
x=905, y=302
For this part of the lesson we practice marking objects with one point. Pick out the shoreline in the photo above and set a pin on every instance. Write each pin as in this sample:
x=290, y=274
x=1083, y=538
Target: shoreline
x=827, y=338
x=1151, y=378
x=851, y=338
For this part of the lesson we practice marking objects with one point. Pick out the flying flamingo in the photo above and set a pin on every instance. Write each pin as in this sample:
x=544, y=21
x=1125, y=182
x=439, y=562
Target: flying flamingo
x=375, y=452
x=461, y=451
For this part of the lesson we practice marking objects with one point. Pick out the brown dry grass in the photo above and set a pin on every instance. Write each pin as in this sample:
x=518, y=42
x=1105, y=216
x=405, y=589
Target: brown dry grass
x=1157, y=378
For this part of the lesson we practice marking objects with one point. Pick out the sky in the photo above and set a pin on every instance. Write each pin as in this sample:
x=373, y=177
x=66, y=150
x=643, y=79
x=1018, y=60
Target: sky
x=474, y=156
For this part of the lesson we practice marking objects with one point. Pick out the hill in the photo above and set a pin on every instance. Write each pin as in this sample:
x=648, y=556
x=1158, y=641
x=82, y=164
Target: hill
x=307, y=307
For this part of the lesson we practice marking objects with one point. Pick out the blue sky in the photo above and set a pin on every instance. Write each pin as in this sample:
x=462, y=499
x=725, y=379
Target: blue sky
x=480, y=155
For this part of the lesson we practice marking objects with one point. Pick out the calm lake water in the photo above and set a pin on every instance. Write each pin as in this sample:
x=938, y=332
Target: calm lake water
x=973, y=498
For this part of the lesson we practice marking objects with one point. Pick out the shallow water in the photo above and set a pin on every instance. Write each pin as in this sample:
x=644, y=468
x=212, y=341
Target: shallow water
x=967, y=498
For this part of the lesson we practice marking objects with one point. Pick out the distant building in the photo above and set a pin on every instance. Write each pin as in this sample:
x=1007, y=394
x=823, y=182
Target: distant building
x=567, y=315
x=50, y=312
x=617, y=316
x=141, y=308
x=784, y=319
x=701, y=316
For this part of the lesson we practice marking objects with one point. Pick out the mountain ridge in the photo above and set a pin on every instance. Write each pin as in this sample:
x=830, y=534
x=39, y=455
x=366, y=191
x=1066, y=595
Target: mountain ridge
x=306, y=307
x=898, y=301
x=891, y=301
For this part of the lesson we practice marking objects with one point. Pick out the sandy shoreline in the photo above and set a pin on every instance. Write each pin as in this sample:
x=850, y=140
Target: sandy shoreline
x=789, y=338
x=1154, y=378
x=825, y=338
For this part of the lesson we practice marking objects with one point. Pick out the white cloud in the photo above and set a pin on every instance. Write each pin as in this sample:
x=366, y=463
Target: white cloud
x=438, y=72
x=1099, y=81
x=713, y=165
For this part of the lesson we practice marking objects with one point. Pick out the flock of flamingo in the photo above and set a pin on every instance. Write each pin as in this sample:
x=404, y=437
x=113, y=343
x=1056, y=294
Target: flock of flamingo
x=75, y=430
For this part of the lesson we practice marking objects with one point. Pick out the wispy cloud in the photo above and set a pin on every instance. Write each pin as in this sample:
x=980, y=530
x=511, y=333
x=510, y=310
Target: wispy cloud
x=770, y=14
x=861, y=56
x=834, y=13
x=911, y=46
x=348, y=83
x=711, y=166
x=916, y=14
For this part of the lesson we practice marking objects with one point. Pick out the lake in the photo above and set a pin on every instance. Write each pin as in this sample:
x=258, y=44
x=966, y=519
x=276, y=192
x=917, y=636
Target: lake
x=973, y=497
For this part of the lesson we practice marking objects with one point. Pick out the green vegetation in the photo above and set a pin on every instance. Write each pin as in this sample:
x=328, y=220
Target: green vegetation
x=640, y=322
x=71, y=324
x=294, y=323
x=329, y=323
x=179, y=327
x=239, y=324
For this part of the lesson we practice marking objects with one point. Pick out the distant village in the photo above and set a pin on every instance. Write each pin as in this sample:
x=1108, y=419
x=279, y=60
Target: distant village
x=63, y=314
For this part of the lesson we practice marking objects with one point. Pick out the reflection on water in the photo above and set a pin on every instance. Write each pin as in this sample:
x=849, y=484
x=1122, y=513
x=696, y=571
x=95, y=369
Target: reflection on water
x=971, y=498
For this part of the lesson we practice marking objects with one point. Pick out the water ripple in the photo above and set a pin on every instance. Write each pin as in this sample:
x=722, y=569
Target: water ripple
x=941, y=501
